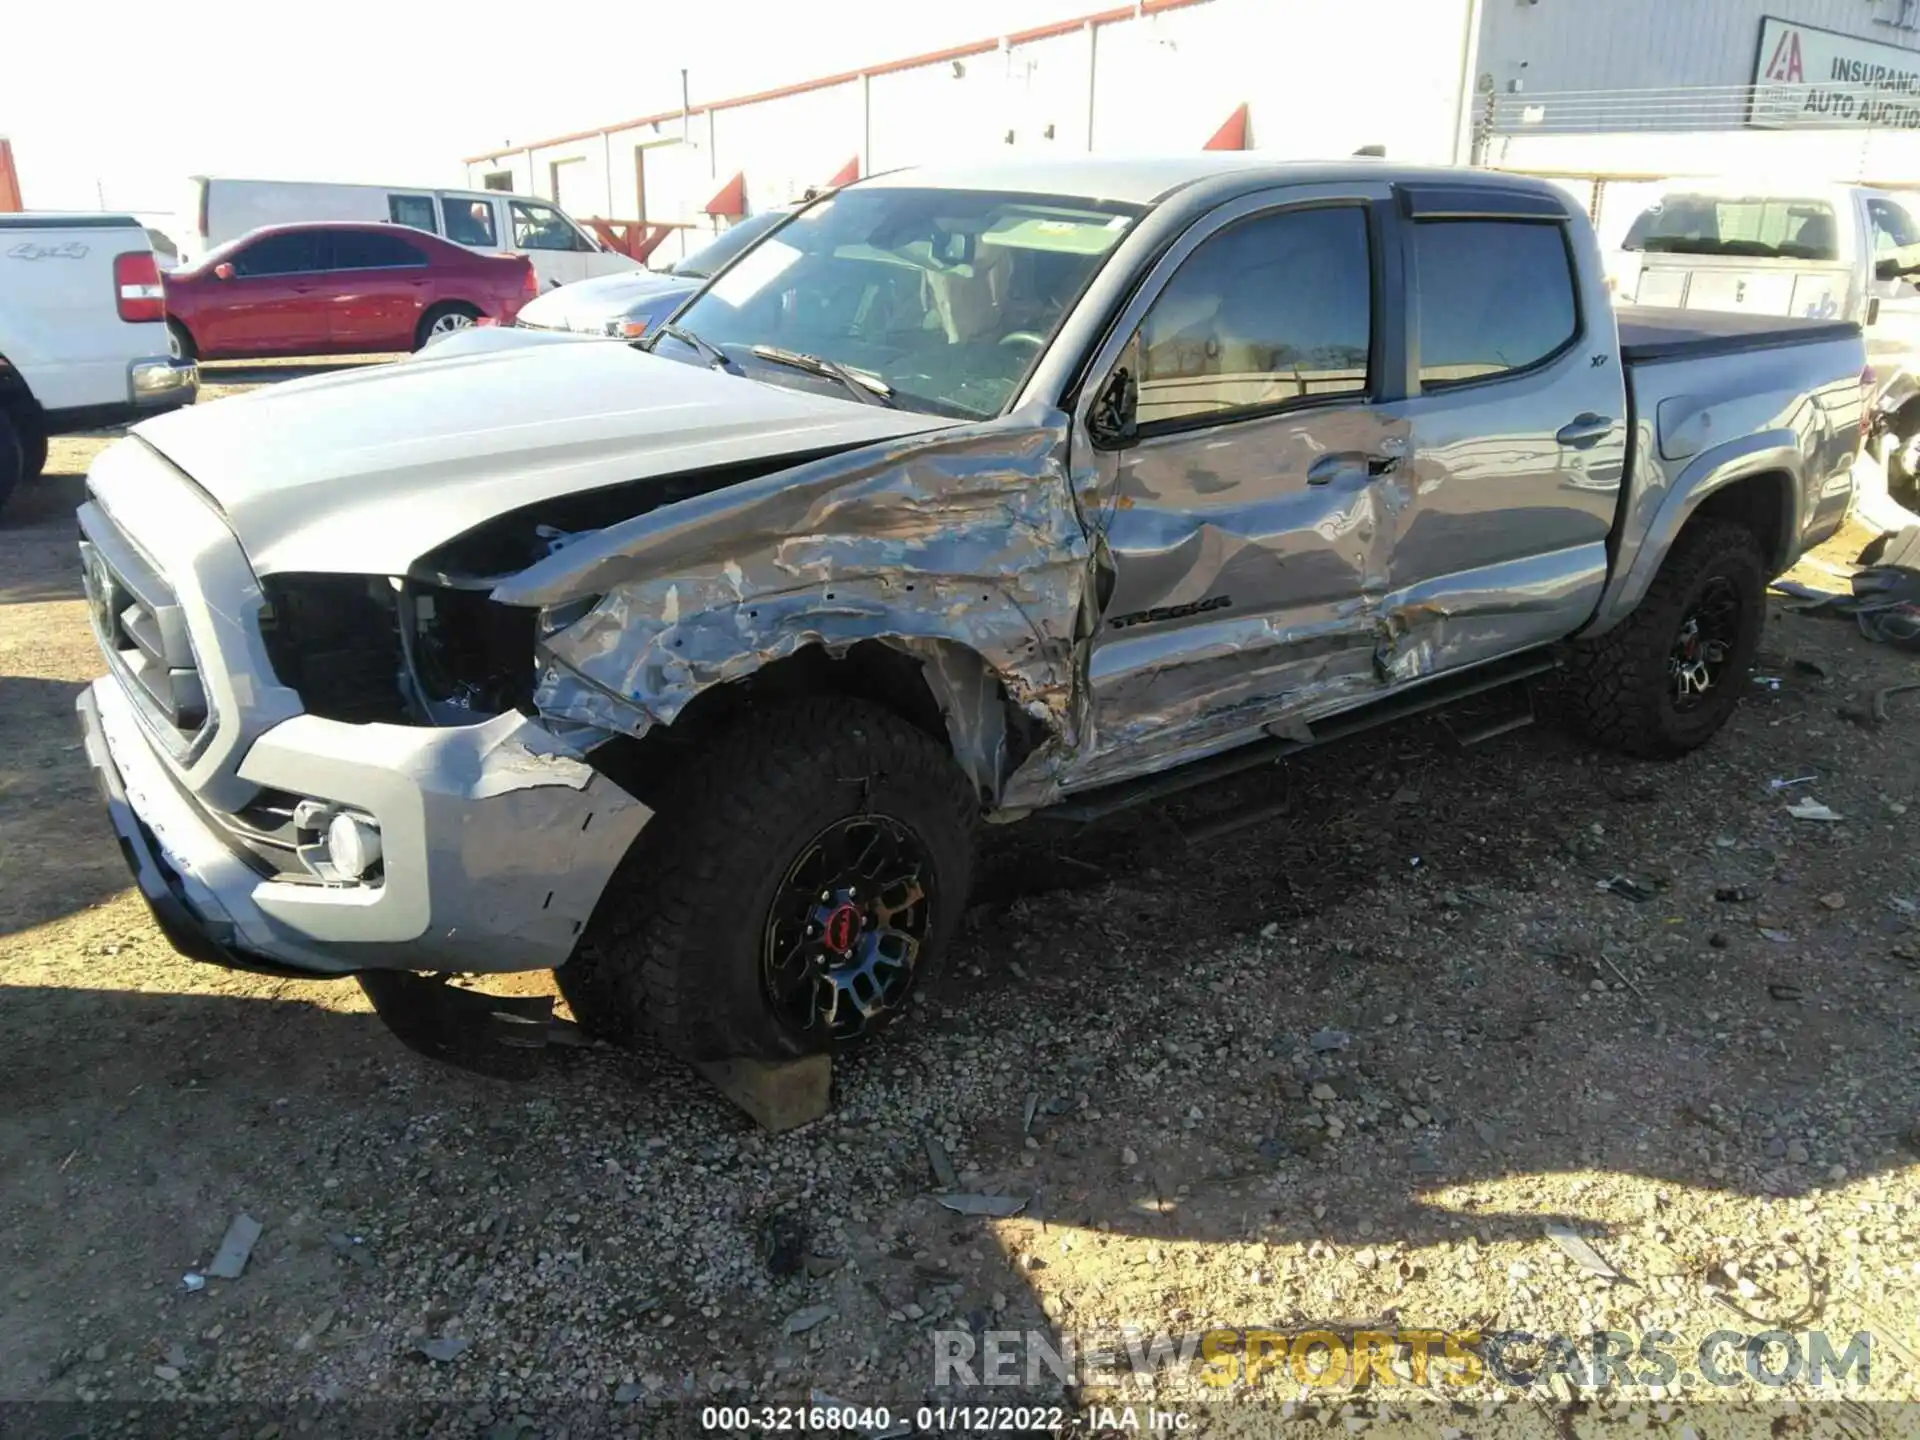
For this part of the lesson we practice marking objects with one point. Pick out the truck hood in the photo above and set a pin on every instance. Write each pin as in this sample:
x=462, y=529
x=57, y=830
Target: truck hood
x=364, y=471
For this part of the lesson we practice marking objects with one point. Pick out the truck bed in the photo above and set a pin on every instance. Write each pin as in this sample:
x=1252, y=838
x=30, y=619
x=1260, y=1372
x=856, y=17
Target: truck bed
x=1651, y=333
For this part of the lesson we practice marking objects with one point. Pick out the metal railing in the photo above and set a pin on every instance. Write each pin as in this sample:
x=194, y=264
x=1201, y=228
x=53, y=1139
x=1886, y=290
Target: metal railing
x=1707, y=107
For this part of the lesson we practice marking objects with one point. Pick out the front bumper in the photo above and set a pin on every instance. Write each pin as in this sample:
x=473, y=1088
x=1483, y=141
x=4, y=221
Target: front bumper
x=497, y=844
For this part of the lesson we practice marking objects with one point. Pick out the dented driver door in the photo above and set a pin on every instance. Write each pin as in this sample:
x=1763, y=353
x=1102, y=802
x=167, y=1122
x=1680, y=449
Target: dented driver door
x=1242, y=520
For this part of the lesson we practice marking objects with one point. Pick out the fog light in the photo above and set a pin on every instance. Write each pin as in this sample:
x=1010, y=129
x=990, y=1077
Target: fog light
x=353, y=845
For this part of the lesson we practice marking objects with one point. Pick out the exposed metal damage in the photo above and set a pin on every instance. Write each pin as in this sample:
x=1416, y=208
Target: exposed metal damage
x=964, y=551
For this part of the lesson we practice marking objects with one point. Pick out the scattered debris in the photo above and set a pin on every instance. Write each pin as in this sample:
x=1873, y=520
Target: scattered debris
x=1325, y=1041
x=1780, y=991
x=1778, y=937
x=997, y=1207
x=1834, y=900
x=1811, y=809
x=1767, y=682
x=802, y=1321
x=1810, y=667
x=944, y=1174
x=783, y=1244
x=1733, y=895
x=1789, y=784
x=191, y=1282
x=1625, y=978
x=1026, y=1121
x=1627, y=888
x=1880, y=698
x=350, y=1247
x=444, y=1349
x=1885, y=598
x=242, y=1235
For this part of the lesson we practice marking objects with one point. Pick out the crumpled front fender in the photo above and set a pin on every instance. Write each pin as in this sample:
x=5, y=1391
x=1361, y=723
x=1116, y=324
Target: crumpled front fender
x=962, y=543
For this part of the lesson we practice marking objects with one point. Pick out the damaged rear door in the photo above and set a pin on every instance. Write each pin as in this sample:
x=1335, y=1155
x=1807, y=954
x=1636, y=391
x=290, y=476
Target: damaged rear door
x=1247, y=519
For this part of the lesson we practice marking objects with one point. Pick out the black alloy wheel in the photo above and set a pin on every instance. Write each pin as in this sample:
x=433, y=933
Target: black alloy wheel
x=843, y=936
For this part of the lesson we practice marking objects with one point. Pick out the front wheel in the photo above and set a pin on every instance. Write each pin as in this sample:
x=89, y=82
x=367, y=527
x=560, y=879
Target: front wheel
x=791, y=894
x=1664, y=680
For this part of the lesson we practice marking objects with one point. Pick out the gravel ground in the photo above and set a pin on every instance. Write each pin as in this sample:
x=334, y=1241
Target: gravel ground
x=1340, y=1068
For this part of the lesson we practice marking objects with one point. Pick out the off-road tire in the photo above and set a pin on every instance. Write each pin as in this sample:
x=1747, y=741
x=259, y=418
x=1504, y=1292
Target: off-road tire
x=13, y=456
x=674, y=946
x=1617, y=689
x=33, y=448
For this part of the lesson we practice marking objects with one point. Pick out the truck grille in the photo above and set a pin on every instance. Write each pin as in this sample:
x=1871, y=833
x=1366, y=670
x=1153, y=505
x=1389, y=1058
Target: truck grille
x=138, y=621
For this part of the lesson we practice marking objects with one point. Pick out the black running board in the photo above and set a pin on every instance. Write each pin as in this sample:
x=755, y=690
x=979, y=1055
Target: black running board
x=1105, y=800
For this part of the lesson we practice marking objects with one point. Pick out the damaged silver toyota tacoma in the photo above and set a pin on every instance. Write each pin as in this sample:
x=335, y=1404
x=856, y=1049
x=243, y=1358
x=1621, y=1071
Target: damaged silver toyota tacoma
x=688, y=668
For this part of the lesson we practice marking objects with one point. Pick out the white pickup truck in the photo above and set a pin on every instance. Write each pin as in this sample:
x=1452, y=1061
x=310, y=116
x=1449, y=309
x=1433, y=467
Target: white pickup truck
x=1815, y=251
x=83, y=334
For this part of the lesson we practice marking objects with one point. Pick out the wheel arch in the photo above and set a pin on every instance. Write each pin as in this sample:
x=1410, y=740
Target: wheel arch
x=939, y=686
x=1754, y=481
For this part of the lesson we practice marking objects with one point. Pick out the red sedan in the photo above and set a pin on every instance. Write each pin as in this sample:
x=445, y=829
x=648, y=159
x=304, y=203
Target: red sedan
x=337, y=289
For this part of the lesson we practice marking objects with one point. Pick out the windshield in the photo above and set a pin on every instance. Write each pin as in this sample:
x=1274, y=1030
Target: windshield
x=716, y=253
x=1764, y=228
x=946, y=297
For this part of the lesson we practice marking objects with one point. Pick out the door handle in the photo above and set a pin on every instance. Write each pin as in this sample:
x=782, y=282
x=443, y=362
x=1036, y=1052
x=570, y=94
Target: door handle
x=1585, y=429
x=1354, y=464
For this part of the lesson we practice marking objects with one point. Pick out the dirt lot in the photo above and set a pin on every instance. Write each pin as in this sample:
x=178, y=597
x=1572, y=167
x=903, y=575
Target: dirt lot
x=1339, y=1068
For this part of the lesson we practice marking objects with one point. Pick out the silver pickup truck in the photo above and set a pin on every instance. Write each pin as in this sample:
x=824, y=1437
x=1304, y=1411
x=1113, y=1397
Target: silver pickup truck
x=689, y=669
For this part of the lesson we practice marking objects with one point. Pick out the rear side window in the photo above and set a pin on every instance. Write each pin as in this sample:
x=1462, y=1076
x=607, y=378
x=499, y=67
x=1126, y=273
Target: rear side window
x=1893, y=227
x=1758, y=227
x=414, y=210
x=1270, y=311
x=1495, y=296
x=289, y=254
x=470, y=222
x=369, y=250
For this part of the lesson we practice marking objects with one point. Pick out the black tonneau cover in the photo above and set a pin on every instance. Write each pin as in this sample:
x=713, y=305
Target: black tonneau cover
x=1649, y=333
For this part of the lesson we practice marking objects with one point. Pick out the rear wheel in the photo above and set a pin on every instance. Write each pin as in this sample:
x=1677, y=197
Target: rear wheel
x=1903, y=467
x=180, y=343
x=33, y=448
x=1666, y=678
x=791, y=895
x=444, y=320
x=13, y=456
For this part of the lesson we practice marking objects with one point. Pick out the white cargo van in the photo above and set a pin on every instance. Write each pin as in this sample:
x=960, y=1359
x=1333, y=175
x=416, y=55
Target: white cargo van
x=490, y=220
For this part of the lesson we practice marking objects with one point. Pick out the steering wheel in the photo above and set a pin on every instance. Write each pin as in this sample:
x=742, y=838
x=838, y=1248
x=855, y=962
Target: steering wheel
x=1024, y=337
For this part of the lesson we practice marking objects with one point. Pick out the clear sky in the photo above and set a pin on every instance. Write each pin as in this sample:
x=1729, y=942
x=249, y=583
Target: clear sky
x=118, y=103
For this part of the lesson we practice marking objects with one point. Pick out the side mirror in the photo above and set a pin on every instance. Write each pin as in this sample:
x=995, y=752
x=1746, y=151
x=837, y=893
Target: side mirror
x=223, y=271
x=1113, y=422
x=1886, y=270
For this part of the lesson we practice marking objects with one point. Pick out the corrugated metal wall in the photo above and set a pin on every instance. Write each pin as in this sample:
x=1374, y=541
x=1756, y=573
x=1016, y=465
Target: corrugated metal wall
x=1319, y=78
x=1644, y=44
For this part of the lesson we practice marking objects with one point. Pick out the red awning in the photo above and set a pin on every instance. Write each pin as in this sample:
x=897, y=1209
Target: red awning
x=1232, y=135
x=846, y=174
x=731, y=202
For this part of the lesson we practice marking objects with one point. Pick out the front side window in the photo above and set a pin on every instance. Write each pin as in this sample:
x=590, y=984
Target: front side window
x=1893, y=227
x=291, y=254
x=470, y=222
x=1494, y=296
x=541, y=227
x=1759, y=227
x=946, y=297
x=1271, y=311
x=414, y=210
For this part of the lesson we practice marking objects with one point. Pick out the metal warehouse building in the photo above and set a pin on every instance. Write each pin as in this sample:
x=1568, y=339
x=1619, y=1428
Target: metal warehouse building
x=1600, y=91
